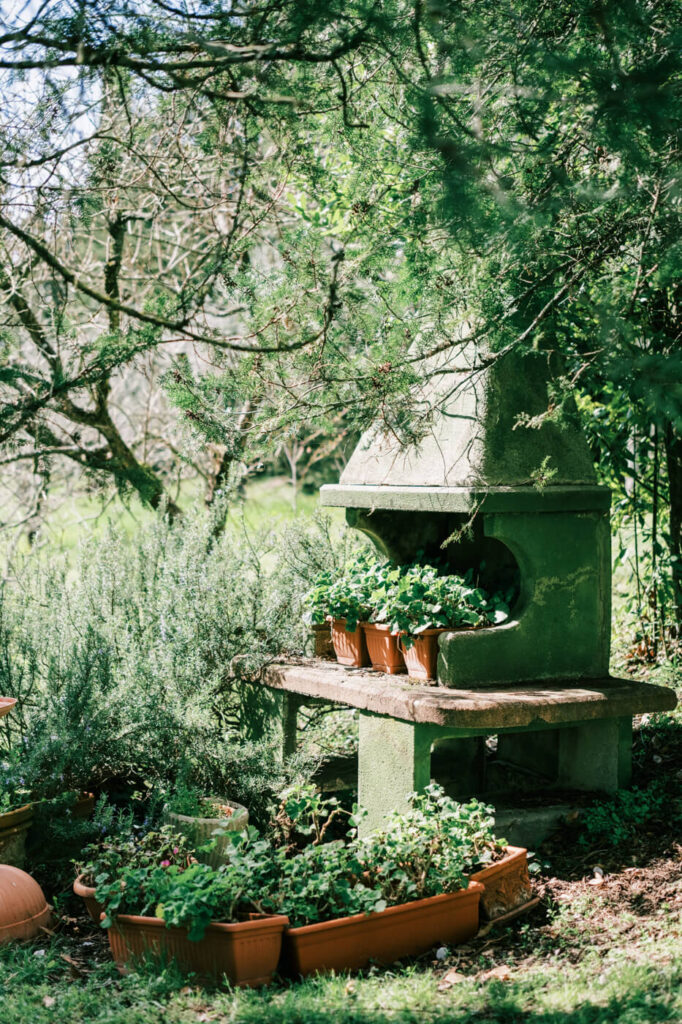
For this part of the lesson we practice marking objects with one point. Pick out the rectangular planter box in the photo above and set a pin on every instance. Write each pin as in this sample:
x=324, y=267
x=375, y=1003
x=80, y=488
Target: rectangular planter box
x=507, y=884
x=246, y=952
x=349, y=943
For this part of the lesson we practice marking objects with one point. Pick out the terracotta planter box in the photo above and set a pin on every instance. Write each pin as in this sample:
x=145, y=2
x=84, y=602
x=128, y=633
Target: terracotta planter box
x=13, y=828
x=350, y=648
x=324, y=648
x=199, y=831
x=421, y=657
x=349, y=943
x=87, y=894
x=247, y=952
x=507, y=884
x=383, y=648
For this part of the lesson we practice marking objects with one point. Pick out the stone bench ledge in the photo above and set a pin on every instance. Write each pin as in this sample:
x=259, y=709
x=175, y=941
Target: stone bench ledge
x=530, y=704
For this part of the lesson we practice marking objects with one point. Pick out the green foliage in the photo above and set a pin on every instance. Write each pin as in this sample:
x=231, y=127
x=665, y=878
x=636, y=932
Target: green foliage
x=409, y=598
x=120, y=848
x=614, y=822
x=190, y=894
x=345, y=593
x=422, y=599
x=136, y=659
x=429, y=849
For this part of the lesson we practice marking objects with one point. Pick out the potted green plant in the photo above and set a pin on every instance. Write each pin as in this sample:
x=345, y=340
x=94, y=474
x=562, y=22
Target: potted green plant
x=206, y=821
x=382, y=640
x=342, y=597
x=209, y=920
x=422, y=604
x=16, y=814
x=395, y=893
x=120, y=848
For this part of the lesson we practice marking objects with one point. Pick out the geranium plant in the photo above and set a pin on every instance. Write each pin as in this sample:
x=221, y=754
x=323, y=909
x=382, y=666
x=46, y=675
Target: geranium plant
x=421, y=599
x=344, y=595
x=105, y=859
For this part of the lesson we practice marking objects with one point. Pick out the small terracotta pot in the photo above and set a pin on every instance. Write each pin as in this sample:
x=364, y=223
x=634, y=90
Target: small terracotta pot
x=383, y=648
x=324, y=648
x=200, y=831
x=87, y=894
x=507, y=883
x=13, y=828
x=23, y=907
x=350, y=648
x=349, y=943
x=421, y=657
x=246, y=952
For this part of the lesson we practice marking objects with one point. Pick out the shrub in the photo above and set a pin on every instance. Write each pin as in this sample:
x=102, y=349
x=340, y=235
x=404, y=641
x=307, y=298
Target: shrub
x=142, y=652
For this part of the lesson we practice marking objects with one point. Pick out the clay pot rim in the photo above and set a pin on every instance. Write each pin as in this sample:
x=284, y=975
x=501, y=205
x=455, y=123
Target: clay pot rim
x=189, y=818
x=379, y=627
x=513, y=853
x=81, y=889
x=6, y=705
x=23, y=809
x=473, y=888
x=274, y=922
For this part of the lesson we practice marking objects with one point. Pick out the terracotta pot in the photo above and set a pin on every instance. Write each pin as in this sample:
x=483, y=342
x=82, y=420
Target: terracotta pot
x=324, y=648
x=87, y=894
x=23, y=907
x=507, y=883
x=200, y=831
x=13, y=828
x=246, y=952
x=350, y=648
x=421, y=657
x=6, y=705
x=349, y=943
x=383, y=648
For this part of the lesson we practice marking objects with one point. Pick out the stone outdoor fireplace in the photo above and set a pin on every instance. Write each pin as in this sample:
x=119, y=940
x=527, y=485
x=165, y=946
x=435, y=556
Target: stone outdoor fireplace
x=502, y=482
x=473, y=493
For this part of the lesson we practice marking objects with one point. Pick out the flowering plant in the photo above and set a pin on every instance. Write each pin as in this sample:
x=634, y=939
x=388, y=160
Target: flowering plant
x=106, y=858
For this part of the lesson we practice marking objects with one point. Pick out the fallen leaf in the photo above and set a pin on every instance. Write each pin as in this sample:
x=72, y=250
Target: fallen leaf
x=452, y=977
x=501, y=973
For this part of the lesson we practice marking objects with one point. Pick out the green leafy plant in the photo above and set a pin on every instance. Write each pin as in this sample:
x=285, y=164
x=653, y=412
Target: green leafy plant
x=121, y=849
x=422, y=599
x=431, y=848
x=188, y=894
x=14, y=792
x=616, y=821
x=344, y=594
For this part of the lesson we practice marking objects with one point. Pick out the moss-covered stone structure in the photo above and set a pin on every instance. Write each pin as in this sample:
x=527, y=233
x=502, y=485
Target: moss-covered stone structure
x=503, y=481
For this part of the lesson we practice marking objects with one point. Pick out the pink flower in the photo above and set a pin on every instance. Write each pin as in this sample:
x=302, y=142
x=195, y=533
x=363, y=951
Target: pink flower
x=176, y=849
x=165, y=863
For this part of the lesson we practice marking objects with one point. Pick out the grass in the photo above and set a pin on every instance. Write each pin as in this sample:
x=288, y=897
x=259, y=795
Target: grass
x=637, y=981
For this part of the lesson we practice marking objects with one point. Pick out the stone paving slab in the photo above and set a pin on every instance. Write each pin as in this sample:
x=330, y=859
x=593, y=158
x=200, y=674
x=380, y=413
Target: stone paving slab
x=518, y=706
